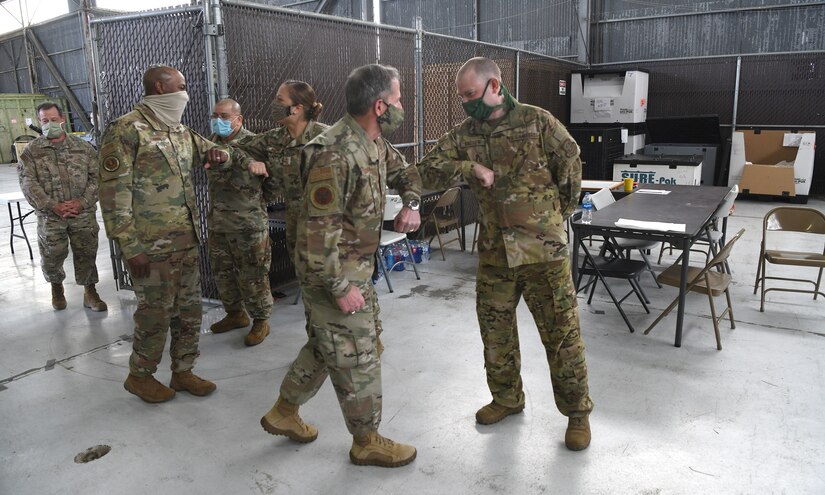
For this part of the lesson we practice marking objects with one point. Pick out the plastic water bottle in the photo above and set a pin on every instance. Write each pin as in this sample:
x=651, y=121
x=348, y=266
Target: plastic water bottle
x=587, y=209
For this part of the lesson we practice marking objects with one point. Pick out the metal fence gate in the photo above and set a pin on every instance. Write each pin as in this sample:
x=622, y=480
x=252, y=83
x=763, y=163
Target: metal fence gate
x=244, y=50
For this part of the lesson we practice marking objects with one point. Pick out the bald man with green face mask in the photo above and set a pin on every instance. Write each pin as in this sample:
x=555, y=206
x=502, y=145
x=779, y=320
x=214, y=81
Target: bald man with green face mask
x=524, y=168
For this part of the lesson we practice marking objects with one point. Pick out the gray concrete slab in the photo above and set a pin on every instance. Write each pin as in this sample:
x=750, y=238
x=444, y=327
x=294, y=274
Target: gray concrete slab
x=667, y=420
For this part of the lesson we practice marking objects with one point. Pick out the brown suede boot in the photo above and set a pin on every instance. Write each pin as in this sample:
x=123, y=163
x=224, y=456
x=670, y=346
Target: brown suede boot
x=259, y=331
x=493, y=413
x=232, y=320
x=374, y=450
x=283, y=419
x=91, y=300
x=148, y=389
x=192, y=383
x=58, y=299
x=577, y=436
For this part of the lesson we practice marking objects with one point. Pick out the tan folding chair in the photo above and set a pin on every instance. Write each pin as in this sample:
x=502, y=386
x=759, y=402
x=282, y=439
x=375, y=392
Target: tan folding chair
x=445, y=214
x=801, y=221
x=704, y=280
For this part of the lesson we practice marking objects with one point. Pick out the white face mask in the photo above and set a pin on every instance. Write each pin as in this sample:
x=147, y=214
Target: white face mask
x=168, y=107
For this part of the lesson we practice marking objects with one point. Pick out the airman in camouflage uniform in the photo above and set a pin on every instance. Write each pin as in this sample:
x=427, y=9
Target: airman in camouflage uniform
x=58, y=177
x=524, y=168
x=239, y=246
x=148, y=202
x=347, y=170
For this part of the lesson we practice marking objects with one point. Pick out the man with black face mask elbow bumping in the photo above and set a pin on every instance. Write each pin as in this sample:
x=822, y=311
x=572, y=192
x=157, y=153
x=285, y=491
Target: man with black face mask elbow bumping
x=524, y=168
x=148, y=201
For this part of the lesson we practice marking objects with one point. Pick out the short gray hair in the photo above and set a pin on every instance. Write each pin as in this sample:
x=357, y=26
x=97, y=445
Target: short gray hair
x=367, y=84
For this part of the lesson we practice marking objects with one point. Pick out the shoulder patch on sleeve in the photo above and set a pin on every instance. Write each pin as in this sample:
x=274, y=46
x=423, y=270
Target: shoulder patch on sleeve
x=322, y=196
x=570, y=148
x=320, y=174
x=111, y=164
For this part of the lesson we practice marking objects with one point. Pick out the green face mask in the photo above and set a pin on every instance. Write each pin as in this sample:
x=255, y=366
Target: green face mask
x=390, y=120
x=479, y=110
x=52, y=130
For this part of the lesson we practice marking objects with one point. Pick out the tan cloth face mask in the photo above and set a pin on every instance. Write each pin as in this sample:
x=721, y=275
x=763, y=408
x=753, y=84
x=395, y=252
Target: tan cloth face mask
x=168, y=107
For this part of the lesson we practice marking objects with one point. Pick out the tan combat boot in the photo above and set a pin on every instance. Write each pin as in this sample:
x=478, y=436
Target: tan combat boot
x=283, y=419
x=91, y=300
x=493, y=413
x=232, y=320
x=148, y=389
x=192, y=383
x=58, y=299
x=374, y=450
x=577, y=436
x=259, y=331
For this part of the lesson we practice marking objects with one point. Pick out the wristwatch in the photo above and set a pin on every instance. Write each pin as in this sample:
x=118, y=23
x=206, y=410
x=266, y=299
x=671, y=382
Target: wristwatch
x=413, y=204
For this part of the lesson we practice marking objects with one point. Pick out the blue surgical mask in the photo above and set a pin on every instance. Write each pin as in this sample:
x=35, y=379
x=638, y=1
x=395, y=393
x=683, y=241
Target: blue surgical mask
x=221, y=127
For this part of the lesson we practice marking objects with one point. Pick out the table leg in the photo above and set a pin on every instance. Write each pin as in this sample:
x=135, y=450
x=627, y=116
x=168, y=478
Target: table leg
x=11, y=221
x=21, y=217
x=463, y=238
x=575, y=268
x=680, y=315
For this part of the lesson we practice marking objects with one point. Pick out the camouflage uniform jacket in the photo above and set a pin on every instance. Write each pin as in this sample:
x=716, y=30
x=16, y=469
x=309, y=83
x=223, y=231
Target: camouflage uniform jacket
x=146, y=191
x=537, y=182
x=346, y=177
x=52, y=173
x=235, y=200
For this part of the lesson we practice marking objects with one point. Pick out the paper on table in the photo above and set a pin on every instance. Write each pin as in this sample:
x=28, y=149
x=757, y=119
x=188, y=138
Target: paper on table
x=641, y=224
x=652, y=191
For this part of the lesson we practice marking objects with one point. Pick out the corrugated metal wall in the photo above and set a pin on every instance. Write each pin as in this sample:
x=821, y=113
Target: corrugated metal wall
x=623, y=30
x=62, y=38
x=352, y=9
x=548, y=27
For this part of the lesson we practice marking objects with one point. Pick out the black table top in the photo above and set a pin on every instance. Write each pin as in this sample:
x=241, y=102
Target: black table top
x=690, y=205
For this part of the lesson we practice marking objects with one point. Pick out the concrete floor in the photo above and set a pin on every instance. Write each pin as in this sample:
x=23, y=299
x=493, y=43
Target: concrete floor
x=747, y=419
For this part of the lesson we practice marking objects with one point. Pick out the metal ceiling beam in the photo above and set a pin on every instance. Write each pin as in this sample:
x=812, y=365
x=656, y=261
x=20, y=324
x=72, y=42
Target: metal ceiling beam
x=74, y=103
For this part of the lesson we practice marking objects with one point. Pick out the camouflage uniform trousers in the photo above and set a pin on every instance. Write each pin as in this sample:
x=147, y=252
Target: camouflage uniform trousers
x=53, y=238
x=169, y=299
x=240, y=264
x=343, y=347
x=550, y=295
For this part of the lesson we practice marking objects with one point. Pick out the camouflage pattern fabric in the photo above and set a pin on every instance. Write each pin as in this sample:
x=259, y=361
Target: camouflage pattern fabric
x=168, y=300
x=550, y=295
x=522, y=243
x=537, y=182
x=240, y=265
x=347, y=355
x=282, y=155
x=148, y=202
x=51, y=173
x=338, y=232
x=146, y=190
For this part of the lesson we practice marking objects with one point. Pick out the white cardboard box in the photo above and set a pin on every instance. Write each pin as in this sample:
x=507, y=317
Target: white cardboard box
x=608, y=97
x=659, y=170
x=770, y=147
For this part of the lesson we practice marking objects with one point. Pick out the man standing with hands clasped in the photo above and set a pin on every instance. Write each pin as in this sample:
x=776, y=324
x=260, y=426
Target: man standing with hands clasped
x=525, y=170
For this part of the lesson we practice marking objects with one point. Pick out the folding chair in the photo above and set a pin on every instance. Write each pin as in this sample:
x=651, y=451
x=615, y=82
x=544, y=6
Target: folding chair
x=388, y=238
x=614, y=267
x=444, y=215
x=704, y=280
x=604, y=198
x=801, y=221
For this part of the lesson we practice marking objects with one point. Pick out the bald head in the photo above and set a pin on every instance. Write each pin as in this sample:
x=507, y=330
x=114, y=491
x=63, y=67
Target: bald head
x=162, y=79
x=228, y=106
x=480, y=68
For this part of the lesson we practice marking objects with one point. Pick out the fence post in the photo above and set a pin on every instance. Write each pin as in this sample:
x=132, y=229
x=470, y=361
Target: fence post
x=215, y=50
x=736, y=92
x=518, y=70
x=419, y=84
